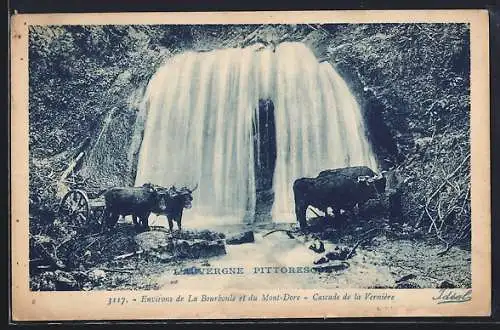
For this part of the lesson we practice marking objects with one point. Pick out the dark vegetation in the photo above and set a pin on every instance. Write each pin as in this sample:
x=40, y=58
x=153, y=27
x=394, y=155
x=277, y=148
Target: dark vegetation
x=412, y=82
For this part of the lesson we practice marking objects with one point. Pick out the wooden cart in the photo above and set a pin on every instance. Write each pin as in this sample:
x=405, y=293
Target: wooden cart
x=80, y=211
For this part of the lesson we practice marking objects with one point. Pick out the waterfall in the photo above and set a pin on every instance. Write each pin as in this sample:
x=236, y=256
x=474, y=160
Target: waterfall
x=202, y=115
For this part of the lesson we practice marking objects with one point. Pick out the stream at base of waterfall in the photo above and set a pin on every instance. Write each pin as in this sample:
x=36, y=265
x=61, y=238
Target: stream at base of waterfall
x=276, y=261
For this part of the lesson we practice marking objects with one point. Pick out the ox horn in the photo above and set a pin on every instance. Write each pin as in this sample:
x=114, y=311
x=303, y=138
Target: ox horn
x=195, y=187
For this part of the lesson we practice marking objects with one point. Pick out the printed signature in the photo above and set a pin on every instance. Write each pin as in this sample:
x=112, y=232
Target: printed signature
x=447, y=296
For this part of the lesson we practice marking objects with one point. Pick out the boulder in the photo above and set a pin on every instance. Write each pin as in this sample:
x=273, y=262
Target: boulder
x=246, y=237
x=164, y=247
x=153, y=240
x=321, y=260
x=407, y=285
x=339, y=253
x=330, y=266
x=198, y=248
x=317, y=246
x=446, y=285
x=406, y=278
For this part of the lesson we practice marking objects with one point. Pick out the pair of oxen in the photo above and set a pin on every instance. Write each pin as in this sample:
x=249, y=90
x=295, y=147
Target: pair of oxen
x=140, y=202
x=338, y=189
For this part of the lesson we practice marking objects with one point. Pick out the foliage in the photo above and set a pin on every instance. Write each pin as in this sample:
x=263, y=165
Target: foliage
x=421, y=71
x=71, y=69
x=77, y=74
x=421, y=75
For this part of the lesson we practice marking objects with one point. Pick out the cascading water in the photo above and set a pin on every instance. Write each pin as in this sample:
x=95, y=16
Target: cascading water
x=202, y=113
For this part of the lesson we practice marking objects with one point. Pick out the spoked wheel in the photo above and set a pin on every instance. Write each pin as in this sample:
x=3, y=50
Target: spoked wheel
x=97, y=215
x=74, y=208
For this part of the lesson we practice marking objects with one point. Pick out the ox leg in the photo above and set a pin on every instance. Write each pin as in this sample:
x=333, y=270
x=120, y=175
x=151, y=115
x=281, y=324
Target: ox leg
x=354, y=212
x=179, y=223
x=329, y=216
x=144, y=221
x=137, y=222
x=112, y=220
x=170, y=223
x=300, y=213
x=335, y=212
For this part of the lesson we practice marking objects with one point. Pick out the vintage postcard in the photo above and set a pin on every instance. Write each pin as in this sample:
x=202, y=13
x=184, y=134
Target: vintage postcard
x=242, y=165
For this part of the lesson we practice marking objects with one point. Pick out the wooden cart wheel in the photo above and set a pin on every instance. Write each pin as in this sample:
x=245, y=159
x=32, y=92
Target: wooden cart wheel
x=74, y=208
x=97, y=211
x=98, y=215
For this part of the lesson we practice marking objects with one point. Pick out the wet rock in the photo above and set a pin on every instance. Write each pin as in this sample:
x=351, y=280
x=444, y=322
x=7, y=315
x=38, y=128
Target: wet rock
x=446, y=285
x=331, y=266
x=203, y=234
x=407, y=285
x=157, y=245
x=152, y=240
x=198, y=249
x=164, y=247
x=241, y=238
x=338, y=253
x=317, y=246
x=321, y=260
x=406, y=278
x=334, y=257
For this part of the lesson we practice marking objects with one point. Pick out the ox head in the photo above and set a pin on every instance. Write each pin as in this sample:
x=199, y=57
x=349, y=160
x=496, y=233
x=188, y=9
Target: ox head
x=377, y=181
x=185, y=194
x=161, y=199
x=160, y=195
x=149, y=186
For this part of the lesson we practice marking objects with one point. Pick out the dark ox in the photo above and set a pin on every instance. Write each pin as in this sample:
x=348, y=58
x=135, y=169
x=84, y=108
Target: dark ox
x=138, y=202
x=341, y=188
x=176, y=201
